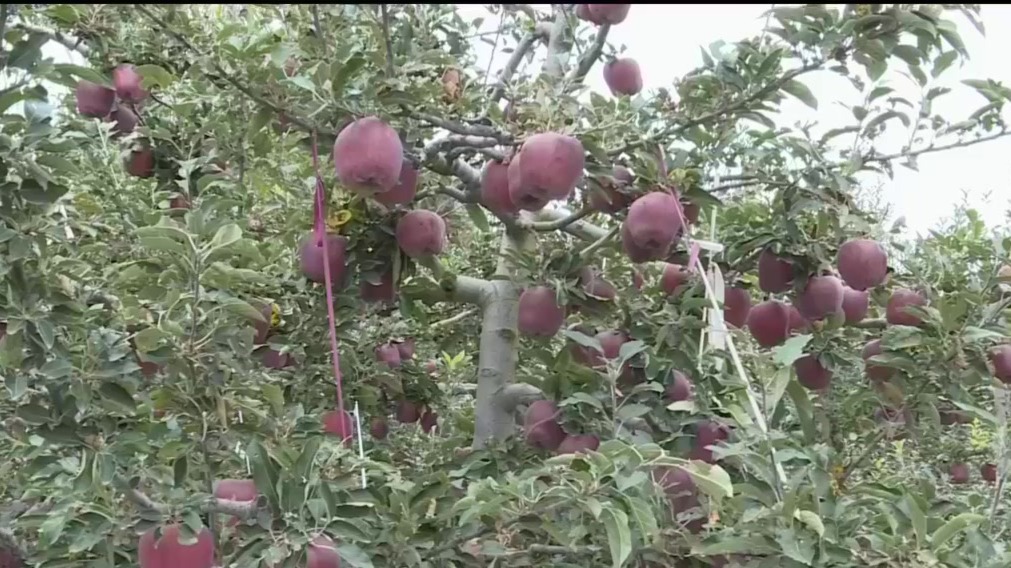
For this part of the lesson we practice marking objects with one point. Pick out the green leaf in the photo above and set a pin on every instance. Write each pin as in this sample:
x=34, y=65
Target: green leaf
x=155, y=76
x=179, y=470
x=619, y=537
x=777, y=388
x=951, y=528
x=912, y=509
x=811, y=520
x=51, y=528
x=791, y=350
x=115, y=393
x=711, y=479
x=682, y=406
x=800, y=90
x=352, y=555
x=805, y=410
x=243, y=308
x=583, y=339
x=224, y=237
x=942, y=62
x=304, y=465
x=477, y=216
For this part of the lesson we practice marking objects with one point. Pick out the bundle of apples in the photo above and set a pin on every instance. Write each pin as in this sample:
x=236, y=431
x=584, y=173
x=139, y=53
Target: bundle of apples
x=119, y=105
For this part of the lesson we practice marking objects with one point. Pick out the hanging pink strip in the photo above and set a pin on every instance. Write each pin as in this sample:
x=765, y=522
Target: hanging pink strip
x=319, y=229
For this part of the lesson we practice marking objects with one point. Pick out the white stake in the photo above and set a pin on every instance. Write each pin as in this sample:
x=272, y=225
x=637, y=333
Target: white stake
x=361, y=444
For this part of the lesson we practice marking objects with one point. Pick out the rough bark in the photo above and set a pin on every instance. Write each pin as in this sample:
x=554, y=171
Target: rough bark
x=493, y=409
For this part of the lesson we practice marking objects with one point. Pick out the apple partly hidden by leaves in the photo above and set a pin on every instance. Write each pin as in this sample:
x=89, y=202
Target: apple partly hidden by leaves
x=578, y=443
x=541, y=425
x=959, y=473
x=127, y=81
x=736, y=306
x=421, y=233
x=652, y=226
x=495, y=189
x=93, y=100
x=405, y=189
x=775, y=274
x=539, y=312
x=822, y=297
x=408, y=412
x=855, y=304
x=895, y=311
x=873, y=371
x=167, y=551
x=311, y=259
x=811, y=374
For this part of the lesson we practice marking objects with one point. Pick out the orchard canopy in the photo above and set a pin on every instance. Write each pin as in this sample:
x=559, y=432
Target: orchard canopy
x=316, y=286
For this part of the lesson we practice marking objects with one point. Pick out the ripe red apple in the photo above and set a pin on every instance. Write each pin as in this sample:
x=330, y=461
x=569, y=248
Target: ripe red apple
x=310, y=254
x=431, y=366
x=421, y=233
x=821, y=297
x=875, y=372
x=691, y=211
x=895, y=311
x=736, y=306
x=322, y=553
x=406, y=348
x=389, y=355
x=539, y=312
x=708, y=433
x=179, y=202
x=429, y=420
x=408, y=412
x=769, y=323
x=988, y=472
x=652, y=226
x=384, y=291
x=547, y=167
x=679, y=389
x=379, y=428
x=168, y=551
x=674, y=276
x=140, y=163
x=595, y=286
x=127, y=81
x=332, y=425
x=578, y=443
x=796, y=322
x=495, y=189
x=623, y=76
x=611, y=198
x=541, y=425
x=273, y=359
x=607, y=13
x=368, y=156
x=236, y=490
x=775, y=274
x=959, y=473
x=811, y=374
x=862, y=263
x=1000, y=357
x=125, y=120
x=952, y=417
x=855, y=304
x=93, y=100
x=405, y=189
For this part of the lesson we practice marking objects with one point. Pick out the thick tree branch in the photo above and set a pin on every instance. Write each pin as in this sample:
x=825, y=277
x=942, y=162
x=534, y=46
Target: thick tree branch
x=592, y=55
x=524, y=46
x=554, y=64
x=73, y=44
x=464, y=129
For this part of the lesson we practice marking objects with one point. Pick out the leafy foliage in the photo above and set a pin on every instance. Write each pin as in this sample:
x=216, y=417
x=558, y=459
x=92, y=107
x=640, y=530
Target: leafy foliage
x=157, y=336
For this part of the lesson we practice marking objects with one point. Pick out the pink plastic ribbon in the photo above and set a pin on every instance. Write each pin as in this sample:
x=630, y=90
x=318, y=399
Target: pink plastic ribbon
x=319, y=230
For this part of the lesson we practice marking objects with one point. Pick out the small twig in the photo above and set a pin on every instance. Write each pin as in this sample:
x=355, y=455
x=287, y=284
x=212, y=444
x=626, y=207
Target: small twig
x=454, y=319
x=716, y=114
x=591, y=56
x=387, y=40
x=932, y=148
x=870, y=324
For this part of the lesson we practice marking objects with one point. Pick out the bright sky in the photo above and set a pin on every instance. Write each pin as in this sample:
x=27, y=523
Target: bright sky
x=665, y=40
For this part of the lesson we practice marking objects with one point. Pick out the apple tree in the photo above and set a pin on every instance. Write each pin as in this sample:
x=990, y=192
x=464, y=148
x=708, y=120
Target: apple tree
x=307, y=285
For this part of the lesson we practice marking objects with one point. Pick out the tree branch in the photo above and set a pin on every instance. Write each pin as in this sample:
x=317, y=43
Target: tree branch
x=239, y=509
x=387, y=40
x=559, y=223
x=870, y=324
x=525, y=44
x=464, y=129
x=932, y=148
x=592, y=55
x=73, y=44
x=726, y=110
x=518, y=394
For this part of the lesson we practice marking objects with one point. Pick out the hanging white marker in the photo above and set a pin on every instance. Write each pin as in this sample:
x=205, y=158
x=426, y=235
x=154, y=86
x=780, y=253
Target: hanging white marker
x=361, y=444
